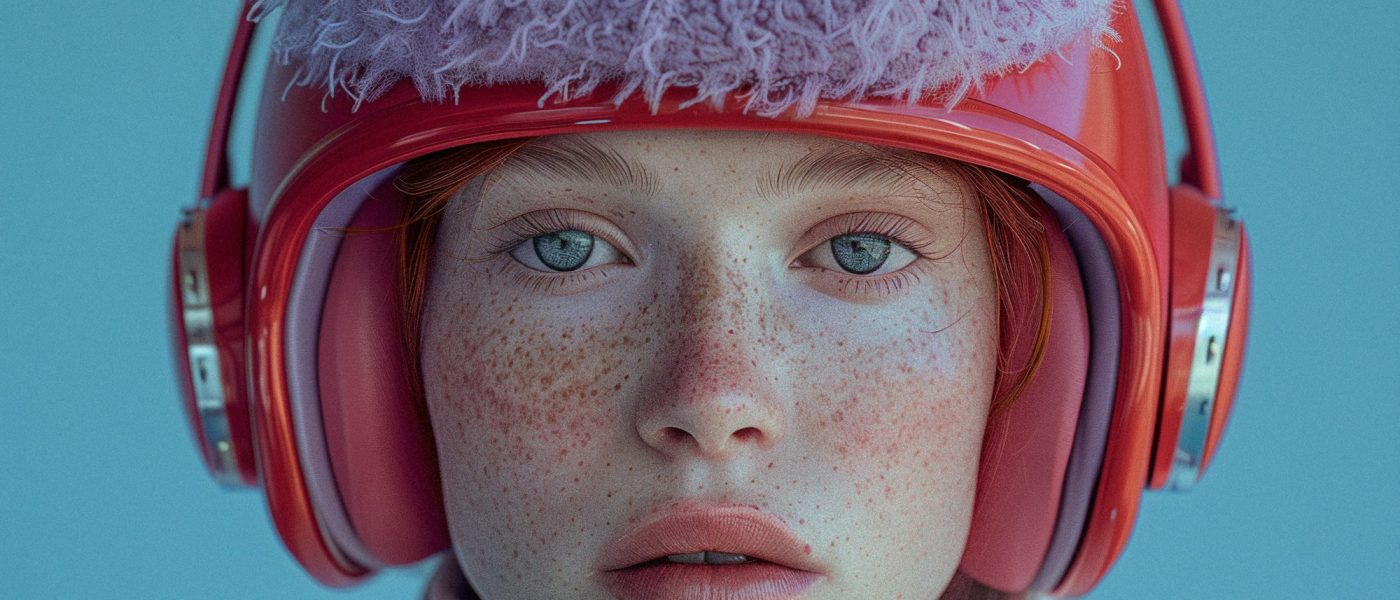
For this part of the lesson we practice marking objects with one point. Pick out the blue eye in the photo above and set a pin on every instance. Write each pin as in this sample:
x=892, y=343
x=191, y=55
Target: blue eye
x=860, y=253
x=564, y=250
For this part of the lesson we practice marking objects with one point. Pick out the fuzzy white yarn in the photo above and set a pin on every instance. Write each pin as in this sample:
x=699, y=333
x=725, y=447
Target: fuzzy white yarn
x=773, y=54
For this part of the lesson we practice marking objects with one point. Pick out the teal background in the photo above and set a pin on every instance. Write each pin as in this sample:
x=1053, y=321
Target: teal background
x=103, y=116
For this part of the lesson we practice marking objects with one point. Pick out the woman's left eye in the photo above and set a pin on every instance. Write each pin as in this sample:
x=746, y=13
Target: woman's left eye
x=565, y=250
x=859, y=253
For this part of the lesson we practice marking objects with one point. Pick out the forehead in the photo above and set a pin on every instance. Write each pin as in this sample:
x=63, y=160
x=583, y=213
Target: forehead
x=772, y=164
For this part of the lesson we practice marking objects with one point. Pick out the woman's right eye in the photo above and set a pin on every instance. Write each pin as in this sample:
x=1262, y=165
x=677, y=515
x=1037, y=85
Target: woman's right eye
x=860, y=253
x=565, y=250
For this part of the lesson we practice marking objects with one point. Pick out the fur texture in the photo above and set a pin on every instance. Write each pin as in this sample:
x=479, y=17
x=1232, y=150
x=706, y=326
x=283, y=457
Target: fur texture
x=773, y=54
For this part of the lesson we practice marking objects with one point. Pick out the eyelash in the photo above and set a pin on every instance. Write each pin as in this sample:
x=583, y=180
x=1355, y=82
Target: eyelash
x=895, y=227
x=901, y=230
x=542, y=222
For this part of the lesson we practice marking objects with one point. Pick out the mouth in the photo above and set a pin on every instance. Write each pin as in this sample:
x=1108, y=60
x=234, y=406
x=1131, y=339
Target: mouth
x=732, y=552
x=706, y=557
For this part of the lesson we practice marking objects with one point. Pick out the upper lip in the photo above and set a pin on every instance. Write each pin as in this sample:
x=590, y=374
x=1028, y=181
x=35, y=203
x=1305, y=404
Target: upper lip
x=733, y=528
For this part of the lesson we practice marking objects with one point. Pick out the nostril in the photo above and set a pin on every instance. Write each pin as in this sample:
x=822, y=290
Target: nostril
x=677, y=437
x=749, y=434
x=673, y=435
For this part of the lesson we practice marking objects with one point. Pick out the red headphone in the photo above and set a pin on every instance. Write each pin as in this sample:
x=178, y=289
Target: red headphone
x=286, y=332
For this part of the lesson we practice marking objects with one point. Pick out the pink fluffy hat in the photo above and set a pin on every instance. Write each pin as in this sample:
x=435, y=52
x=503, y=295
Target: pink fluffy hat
x=771, y=54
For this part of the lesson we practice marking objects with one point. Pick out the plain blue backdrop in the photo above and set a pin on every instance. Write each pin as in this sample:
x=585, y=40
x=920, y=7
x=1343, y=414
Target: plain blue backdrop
x=103, y=116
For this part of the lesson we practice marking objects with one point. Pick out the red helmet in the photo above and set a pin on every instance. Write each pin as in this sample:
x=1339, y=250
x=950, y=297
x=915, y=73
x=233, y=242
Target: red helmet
x=280, y=327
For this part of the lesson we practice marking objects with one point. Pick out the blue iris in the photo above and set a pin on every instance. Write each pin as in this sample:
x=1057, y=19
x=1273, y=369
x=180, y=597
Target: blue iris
x=564, y=250
x=860, y=253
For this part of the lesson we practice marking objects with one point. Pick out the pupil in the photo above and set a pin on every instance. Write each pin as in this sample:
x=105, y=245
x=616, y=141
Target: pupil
x=860, y=253
x=564, y=250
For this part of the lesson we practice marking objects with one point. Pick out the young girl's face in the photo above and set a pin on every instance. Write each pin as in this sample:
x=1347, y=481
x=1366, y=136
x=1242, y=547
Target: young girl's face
x=651, y=344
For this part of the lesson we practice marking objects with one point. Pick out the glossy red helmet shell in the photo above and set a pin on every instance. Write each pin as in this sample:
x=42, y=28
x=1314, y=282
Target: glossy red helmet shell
x=1084, y=128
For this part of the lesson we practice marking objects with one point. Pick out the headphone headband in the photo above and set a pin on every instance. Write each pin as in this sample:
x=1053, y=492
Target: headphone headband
x=1199, y=166
x=215, y=177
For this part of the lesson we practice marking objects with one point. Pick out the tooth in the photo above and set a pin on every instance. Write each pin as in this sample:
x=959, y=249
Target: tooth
x=694, y=558
x=724, y=558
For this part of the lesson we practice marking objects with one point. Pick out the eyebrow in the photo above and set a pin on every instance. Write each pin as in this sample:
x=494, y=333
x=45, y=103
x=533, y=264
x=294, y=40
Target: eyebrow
x=845, y=165
x=576, y=158
x=837, y=166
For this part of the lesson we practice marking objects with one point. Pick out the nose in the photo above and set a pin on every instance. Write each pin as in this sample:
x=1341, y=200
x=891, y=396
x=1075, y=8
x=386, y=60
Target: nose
x=711, y=415
x=715, y=392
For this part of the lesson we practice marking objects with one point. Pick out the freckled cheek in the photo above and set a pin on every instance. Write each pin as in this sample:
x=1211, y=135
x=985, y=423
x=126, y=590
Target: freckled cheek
x=910, y=409
x=530, y=403
x=527, y=423
x=526, y=389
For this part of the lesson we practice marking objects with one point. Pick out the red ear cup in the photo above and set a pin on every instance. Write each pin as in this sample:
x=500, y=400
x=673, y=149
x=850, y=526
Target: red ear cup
x=378, y=435
x=206, y=311
x=1209, y=314
x=1233, y=363
x=1027, y=445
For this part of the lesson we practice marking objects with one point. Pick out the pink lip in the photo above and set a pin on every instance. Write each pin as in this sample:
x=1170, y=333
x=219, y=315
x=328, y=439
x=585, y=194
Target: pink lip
x=786, y=571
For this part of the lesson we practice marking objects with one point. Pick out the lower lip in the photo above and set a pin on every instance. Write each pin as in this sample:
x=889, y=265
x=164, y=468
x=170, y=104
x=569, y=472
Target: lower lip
x=747, y=581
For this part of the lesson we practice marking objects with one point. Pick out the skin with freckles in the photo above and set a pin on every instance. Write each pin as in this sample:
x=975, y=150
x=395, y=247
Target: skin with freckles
x=711, y=349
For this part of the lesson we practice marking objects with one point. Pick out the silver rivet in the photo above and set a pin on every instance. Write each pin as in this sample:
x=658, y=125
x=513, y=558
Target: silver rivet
x=1222, y=279
x=1212, y=349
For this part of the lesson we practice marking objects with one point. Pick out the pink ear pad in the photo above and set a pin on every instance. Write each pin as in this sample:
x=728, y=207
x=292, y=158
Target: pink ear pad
x=1027, y=445
x=377, y=435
